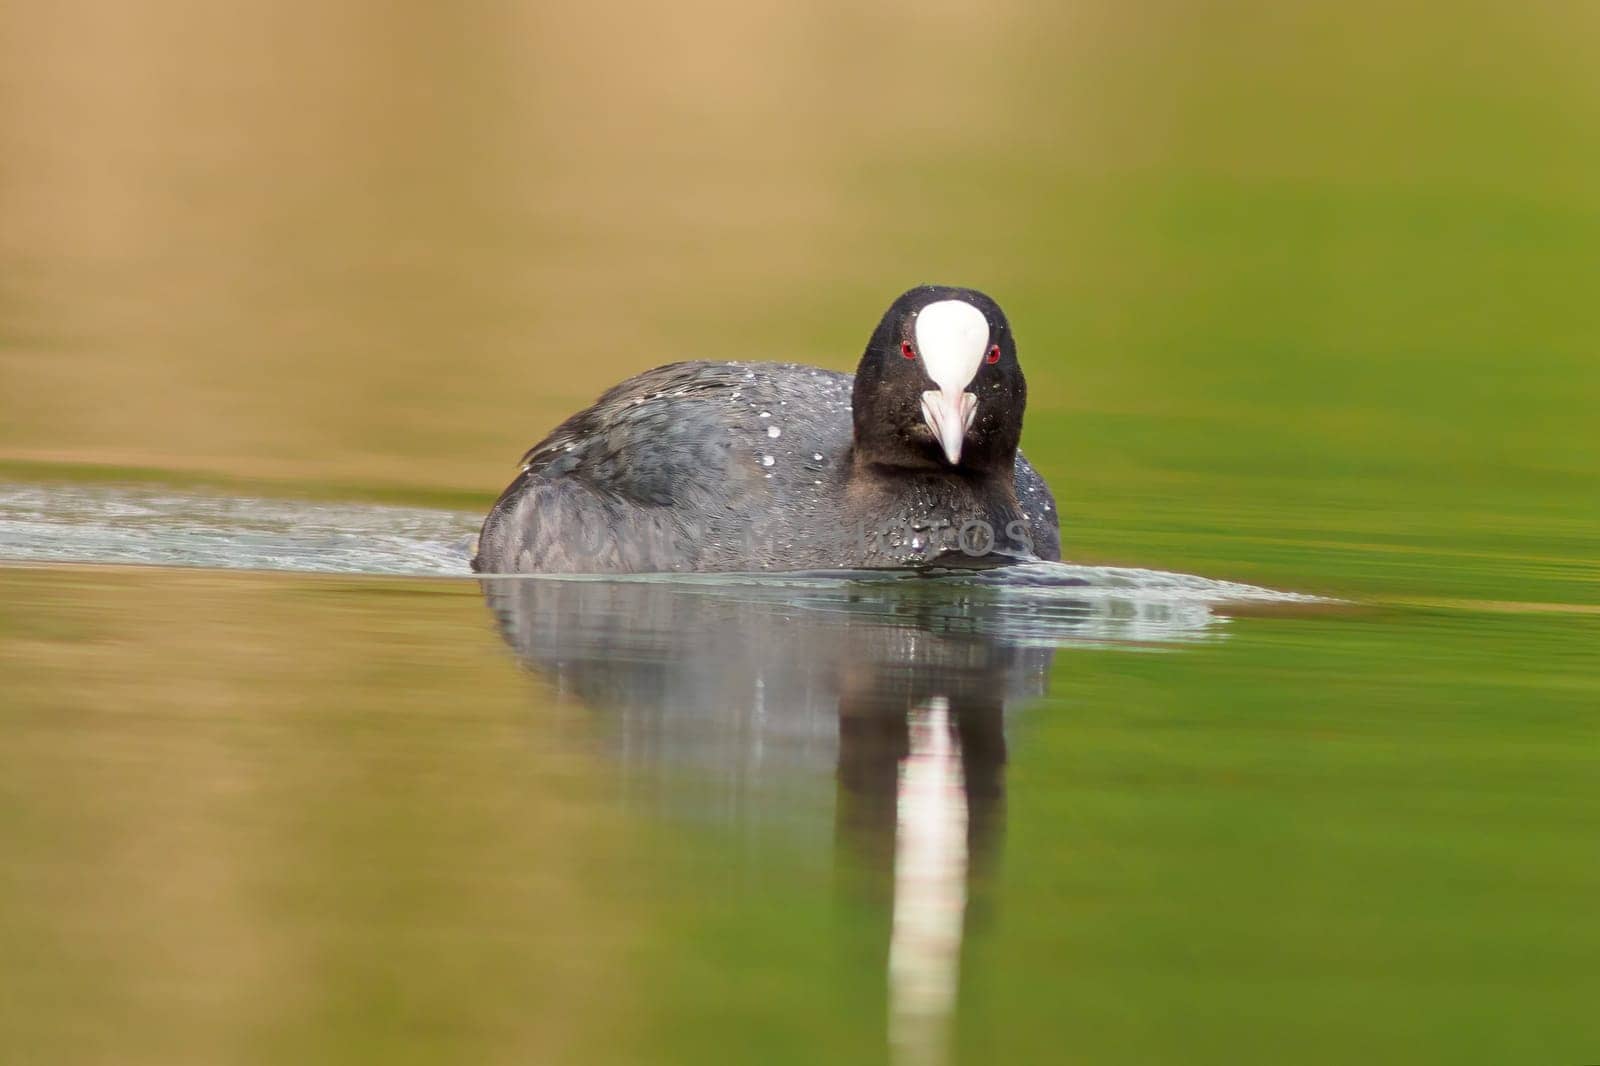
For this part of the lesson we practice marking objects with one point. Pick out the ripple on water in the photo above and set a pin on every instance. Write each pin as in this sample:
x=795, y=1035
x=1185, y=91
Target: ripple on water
x=166, y=527
x=1043, y=603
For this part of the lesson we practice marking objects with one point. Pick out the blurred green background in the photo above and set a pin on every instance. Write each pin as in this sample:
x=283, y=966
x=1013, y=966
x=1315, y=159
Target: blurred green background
x=1304, y=292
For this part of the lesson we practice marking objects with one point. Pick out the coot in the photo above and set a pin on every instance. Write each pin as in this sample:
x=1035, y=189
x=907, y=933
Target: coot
x=704, y=466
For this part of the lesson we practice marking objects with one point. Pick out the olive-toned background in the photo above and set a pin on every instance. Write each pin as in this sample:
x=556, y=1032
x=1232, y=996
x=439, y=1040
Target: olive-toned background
x=1306, y=296
x=1304, y=291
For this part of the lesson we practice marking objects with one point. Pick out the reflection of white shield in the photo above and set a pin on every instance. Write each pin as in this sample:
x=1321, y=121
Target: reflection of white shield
x=930, y=889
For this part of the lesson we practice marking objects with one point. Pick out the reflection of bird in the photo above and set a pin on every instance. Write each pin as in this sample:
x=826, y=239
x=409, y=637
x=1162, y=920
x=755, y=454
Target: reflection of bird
x=921, y=804
x=752, y=466
x=731, y=673
x=901, y=684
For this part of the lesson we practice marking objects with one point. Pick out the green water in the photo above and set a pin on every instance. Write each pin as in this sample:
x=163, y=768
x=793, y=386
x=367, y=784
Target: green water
x=275, y=818
x=1304, y=295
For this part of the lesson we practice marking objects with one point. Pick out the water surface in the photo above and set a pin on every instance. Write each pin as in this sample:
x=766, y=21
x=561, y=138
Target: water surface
x=342, y=801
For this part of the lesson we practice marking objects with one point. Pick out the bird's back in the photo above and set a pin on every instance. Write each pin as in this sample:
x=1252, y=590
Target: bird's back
x=699, y=466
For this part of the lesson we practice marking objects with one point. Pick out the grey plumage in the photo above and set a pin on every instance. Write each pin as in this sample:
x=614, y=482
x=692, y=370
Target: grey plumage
x=741, y=466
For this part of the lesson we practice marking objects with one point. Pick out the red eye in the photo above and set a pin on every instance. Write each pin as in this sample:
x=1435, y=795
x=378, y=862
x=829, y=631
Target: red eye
x=907, y=351
x=994, y=354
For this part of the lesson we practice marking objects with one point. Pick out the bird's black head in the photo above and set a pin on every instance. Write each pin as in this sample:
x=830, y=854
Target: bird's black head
x=939, y=386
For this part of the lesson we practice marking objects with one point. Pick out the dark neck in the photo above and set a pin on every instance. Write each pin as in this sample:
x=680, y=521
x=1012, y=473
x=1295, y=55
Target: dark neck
x=950, y=494
x=935, y=475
